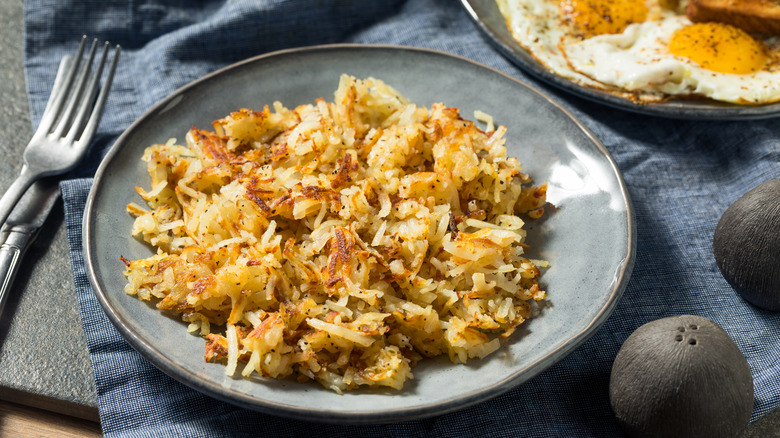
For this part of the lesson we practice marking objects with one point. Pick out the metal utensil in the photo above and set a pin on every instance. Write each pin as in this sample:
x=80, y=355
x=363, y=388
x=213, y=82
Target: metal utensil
x=22, y=228
x=28, y=202
x=68, y=123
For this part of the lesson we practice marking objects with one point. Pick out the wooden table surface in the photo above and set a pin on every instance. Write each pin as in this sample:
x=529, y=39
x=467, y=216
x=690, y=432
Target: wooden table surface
x=26, y=422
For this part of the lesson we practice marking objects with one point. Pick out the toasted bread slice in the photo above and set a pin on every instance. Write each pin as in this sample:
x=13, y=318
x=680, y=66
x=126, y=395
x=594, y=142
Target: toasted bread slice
x=752, y=16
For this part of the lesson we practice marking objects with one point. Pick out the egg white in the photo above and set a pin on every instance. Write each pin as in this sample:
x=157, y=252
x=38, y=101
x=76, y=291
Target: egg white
x=536, y=25
x=635, y=63
x=638, y=60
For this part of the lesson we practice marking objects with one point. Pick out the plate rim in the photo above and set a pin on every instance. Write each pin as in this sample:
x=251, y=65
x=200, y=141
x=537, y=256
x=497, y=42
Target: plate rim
x=679, y=109
x=190, y=379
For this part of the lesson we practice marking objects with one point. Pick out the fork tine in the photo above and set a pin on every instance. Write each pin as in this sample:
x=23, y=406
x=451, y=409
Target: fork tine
x=63, y=73
x=59, y=93
x=97, y=109
x=88, y=98
x=76, y=97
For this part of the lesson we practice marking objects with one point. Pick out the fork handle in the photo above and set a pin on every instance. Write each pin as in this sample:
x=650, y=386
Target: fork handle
x=11, y=253
x=15, y=192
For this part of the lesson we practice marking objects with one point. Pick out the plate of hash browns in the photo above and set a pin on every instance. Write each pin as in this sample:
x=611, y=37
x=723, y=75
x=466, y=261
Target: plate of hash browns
x=357, y=233
x=687, y=59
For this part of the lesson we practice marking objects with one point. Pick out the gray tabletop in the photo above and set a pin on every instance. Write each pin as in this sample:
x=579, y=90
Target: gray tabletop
x=43, y=355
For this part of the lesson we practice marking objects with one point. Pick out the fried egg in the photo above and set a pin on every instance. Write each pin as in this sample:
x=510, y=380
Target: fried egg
x=646, y=50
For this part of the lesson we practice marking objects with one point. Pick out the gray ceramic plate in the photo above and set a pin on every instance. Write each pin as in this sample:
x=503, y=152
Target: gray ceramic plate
x=488, y=18
x=589, y=239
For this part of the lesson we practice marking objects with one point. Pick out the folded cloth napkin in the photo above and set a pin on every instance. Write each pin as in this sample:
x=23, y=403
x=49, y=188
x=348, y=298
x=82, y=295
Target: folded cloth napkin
x=681, y=175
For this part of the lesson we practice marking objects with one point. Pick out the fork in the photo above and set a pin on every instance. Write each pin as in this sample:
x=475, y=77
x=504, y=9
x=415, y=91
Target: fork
x=68, y=123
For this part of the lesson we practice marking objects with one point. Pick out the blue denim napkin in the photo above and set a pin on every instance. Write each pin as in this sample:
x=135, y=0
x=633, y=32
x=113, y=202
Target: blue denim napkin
x=681, y=175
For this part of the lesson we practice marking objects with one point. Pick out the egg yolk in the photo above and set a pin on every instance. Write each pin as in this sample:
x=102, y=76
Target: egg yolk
x=598, y=17
x=719, y=47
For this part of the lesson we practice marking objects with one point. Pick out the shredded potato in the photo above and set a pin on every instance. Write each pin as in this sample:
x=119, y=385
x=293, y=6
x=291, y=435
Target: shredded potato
x=339, y=241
